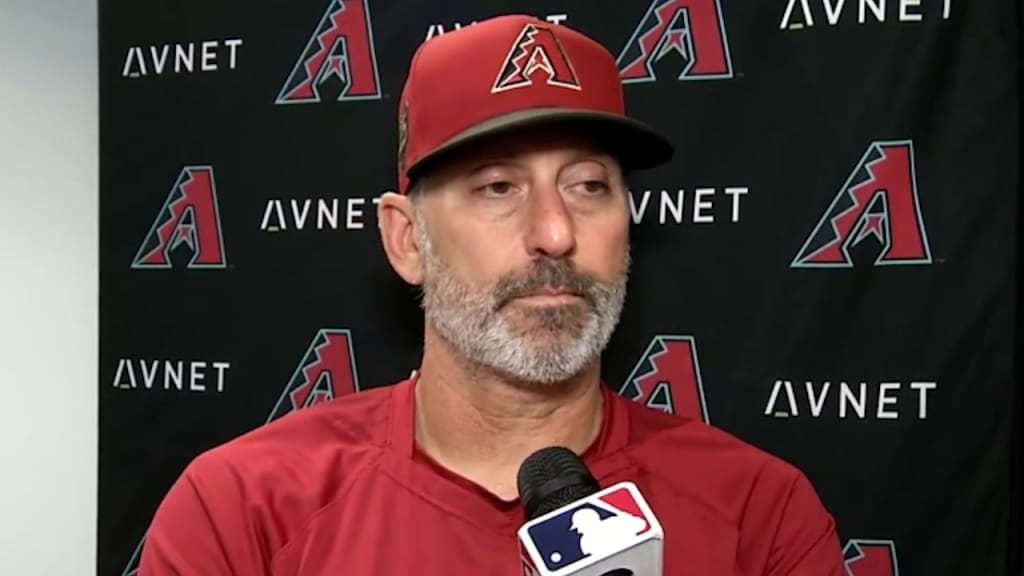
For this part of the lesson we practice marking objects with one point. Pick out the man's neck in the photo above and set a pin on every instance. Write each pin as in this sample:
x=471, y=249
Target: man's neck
x=482, y=426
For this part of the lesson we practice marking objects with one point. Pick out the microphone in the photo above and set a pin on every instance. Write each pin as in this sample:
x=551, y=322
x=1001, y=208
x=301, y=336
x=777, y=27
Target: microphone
x=576, y=528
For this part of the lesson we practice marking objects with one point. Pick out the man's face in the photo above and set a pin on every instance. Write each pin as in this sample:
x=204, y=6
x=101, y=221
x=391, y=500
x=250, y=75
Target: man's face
x=526, y=253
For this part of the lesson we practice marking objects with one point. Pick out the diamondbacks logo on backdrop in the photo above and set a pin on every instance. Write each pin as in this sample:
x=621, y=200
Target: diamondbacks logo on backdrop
x=341, y=49
x=327, y=370
x=692, y=29
x=536, y=49
x=878, y=199
x=189, y=218
x=871, y=558
x=667, y=377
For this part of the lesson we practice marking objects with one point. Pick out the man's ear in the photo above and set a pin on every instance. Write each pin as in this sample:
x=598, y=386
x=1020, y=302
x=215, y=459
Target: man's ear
x=398, y=235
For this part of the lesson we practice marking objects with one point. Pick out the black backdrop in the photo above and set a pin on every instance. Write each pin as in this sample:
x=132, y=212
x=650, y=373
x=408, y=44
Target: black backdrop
x=827, y=269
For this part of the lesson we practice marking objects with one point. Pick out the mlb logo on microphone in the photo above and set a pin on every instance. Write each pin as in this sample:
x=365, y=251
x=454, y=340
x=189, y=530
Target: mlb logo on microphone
x=613, y=529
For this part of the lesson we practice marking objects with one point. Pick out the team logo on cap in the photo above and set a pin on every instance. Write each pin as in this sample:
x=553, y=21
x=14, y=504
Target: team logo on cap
x=536, y=49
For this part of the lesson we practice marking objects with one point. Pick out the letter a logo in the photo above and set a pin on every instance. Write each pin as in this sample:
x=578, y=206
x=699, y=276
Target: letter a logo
x=189, y=217
x=667, y=377
x=537, y=49
x=878, y=199
x=341, y=48
x=870, y=558
x=692, y=29
x=327, y=370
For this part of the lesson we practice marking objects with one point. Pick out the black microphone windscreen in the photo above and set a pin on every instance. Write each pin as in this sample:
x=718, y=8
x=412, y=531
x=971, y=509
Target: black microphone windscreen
x=551, y=478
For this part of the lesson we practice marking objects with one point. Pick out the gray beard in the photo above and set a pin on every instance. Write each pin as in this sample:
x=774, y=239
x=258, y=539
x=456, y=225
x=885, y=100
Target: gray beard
x=546, y=345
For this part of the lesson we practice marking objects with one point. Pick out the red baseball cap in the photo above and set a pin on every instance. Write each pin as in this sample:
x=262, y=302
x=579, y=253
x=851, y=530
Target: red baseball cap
x=510, y=72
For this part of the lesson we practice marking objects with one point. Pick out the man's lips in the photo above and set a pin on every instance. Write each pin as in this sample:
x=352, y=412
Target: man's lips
x=552, y=292
x=550, y=295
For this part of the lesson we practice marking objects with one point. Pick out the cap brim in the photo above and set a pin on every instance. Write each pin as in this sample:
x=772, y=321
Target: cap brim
x=634, y=143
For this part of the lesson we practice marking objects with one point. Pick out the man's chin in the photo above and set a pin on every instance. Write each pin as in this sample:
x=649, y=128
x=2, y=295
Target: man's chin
x=545, y=371
x=541, y=356
x=543, y=334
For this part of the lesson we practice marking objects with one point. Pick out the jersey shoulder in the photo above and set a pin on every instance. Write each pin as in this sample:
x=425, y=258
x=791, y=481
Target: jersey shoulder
x=248, y=497
x=706, y=464
x=308, y=437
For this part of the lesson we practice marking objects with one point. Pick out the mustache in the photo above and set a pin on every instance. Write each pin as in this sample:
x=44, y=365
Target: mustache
x=557, y=274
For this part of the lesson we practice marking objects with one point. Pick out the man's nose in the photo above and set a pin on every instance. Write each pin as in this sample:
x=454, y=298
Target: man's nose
x=549, y=225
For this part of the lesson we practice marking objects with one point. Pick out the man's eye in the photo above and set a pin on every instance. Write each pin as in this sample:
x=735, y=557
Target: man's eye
x=498, y=188
x=594, y=187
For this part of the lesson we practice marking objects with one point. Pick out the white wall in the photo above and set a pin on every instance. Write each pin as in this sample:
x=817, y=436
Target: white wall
x=48, y=286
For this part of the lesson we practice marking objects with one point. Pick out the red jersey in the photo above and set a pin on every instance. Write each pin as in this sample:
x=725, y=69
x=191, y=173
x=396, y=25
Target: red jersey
x=341, y=488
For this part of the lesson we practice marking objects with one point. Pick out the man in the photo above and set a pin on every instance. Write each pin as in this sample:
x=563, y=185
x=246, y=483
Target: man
x=513, y=216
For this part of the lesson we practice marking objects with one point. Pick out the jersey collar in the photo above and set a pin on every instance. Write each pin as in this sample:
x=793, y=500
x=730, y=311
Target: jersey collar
x=462, y=497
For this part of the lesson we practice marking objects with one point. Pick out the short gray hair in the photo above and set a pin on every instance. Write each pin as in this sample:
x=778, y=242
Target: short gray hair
x=415, y=194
